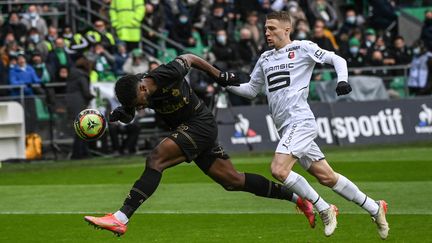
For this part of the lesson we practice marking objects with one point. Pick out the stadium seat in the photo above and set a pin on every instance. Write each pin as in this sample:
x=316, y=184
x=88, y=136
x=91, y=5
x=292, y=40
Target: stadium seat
x=167, y=55
x=398, y=84
x=199, y=48
x=42, y=113
x=313, y=95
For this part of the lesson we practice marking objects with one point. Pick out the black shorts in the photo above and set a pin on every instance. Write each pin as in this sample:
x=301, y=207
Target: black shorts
x=197, y=138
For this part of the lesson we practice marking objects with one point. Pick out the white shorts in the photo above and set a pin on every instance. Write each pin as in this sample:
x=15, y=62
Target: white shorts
x=298, y=140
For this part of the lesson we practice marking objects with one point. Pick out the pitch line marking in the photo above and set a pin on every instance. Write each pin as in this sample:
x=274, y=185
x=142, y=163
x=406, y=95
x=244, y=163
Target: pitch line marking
x=182, y=213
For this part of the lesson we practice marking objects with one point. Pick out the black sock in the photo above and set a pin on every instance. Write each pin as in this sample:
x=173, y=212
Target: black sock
x=263, y=187
x=141, y=191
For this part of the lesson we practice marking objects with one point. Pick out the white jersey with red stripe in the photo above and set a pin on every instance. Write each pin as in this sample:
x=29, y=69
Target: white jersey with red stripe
x=285, y=74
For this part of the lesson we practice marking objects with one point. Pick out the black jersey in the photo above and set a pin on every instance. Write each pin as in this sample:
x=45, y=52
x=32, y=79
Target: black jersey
x=174, y=101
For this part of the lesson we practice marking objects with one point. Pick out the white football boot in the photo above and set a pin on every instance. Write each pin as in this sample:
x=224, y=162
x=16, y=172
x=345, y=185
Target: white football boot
x=380, y=220
x=328, y=217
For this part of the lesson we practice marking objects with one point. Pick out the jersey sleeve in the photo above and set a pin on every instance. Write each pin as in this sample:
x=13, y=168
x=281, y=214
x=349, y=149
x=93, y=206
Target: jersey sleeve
x=255, y=85
x=257, y=76
x=167, y=74
x=315, y=52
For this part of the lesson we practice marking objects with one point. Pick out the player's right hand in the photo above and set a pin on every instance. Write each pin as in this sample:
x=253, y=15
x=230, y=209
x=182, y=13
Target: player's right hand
x=228, y=79
x=343, y=88
x=123, y=114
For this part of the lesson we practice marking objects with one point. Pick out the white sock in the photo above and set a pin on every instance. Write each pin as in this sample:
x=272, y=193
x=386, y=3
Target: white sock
x=120, y=216
x=294, y=198
x=351, y=192
x=301, y=187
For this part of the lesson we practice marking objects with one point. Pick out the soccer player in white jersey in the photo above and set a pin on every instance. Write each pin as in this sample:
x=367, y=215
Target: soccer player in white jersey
x=285, y=73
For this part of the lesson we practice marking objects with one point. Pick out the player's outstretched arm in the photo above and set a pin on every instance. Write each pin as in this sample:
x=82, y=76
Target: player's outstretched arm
x=340, y=65
x=222, y=78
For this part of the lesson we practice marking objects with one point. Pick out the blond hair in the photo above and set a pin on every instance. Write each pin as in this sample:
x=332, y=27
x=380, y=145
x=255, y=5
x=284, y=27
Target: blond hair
x=281, y=16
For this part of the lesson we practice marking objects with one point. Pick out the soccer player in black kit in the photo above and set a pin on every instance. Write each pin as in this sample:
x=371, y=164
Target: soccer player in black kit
x=193, y=138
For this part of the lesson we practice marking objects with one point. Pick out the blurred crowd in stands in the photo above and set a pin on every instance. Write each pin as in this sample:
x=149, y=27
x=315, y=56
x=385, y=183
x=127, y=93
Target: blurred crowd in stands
x=37, y=47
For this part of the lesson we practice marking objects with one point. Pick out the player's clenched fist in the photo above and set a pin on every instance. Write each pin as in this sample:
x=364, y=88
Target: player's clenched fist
x=343, y=88
x=228, y=79
x=122, y=114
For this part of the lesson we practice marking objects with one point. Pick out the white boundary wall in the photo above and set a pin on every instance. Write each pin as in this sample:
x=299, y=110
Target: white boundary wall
x=12, y=132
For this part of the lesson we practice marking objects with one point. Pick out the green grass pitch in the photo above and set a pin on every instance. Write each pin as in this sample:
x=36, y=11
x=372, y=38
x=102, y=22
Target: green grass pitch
x=46, y=201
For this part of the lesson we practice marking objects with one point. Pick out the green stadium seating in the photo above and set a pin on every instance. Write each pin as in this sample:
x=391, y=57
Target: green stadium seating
x=42, y=113
x=398, y=84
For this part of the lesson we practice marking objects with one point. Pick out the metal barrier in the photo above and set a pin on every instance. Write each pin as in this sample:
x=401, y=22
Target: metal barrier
x=386, y=79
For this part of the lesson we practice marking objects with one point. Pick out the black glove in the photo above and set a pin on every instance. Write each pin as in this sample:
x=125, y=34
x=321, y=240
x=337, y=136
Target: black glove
x=123, y=114
x=343, y=88
x=228, y=79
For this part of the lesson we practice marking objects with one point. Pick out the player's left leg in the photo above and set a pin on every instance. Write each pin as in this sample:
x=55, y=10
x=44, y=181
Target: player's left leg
x=347, y=189
x=221, y=170
x=163, y=156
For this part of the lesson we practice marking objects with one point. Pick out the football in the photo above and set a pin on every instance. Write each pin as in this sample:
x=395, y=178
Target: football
x=90, y=124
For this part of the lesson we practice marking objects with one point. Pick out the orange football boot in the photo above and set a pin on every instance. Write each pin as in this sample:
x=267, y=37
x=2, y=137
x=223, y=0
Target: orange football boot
x=306, y=207
x=107, y=222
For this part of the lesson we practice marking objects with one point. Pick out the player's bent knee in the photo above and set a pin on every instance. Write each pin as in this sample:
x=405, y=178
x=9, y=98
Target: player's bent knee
x=279, y=173
x=154, y=161
x=327, y=180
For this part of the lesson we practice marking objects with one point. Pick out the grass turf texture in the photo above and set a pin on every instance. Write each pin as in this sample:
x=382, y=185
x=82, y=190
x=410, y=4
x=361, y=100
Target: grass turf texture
x=46, y=201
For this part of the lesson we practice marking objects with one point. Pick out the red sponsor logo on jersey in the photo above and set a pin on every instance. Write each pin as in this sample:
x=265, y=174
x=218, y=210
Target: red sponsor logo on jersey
x=291, y=55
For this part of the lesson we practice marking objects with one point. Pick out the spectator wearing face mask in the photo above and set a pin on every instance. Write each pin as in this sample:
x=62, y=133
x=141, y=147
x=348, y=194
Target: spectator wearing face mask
x=368, y=44
x=216, y=21
x=426, y=33
x=301, y=30
x=40, y=67
x=36, y=43
x=75, y=43
x=355, y=58
x=32, y=19
x=182, y=32
x=224, y=51
x=352, y=21
x=420, y=74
